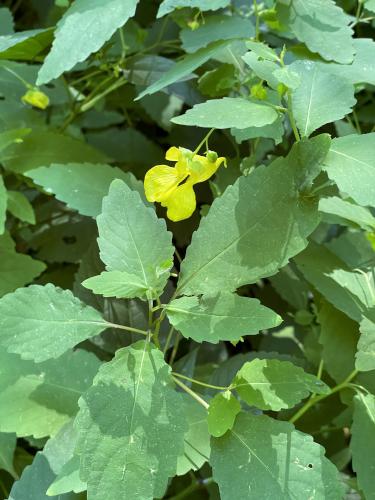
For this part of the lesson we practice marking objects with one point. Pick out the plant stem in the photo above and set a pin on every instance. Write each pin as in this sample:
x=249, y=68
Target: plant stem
x=175, y=349
x=205, y=138
x=119, y=83
x=315, y=399
x=168, y=341
x=127, y=328
x=198, y=382
x=191, y=393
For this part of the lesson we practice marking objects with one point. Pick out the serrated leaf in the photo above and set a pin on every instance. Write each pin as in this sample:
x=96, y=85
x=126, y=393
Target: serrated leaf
x=42, y=148
x=228, y=112
x=82, y=30
x=345, y=213
x=251, y=210
x=184, y=67
x=321, y=25
x=262, y=50
x=197, y=438
x=316, y=101
x=7, y=446
x=270, y=384
x=351, y=164
x=338, y=334
x=118, y=284
x=222, y=317
x=17, y=269
x=37, y=399
x=222, y=413
x=217, y=27
x=25, y=45
x=42, y=322
x=82, y=186
x=132, y=239
x=262, y=454
x=169, y=5
x=365, y=356
x=132, y=402
x=362, y=444
x=20, y=207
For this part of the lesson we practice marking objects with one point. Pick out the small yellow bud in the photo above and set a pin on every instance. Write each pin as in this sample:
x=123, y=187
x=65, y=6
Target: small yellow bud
x=193, y=25
x=258, y=91
x=36, y=98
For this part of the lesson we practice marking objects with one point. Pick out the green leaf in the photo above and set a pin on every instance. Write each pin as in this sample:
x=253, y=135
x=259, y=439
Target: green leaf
x=223, y=317
x=351, y=164
x=263, y=68
x=184, y=67
x=362, y=444
x=17, y=269
x=222, y=413
x=10, y=136
x=42, y=148
x=169, y=5
x=316, y=101
x=270, y=384
x=37, y=399
x=262, y=50
x=197, y=438
x=338, y=334
x=217, y=27
x=82, y=30
x=131, y=426
x=42, y=322
x=370, y=5
x=261, y=455
x=267, y=202
x=228, y=112
x=6, y=21
x=273, y=131
x=7, y=447
x=321, y=25
x=133, y=240
x=345, y=213
x=20, y=207
x=3, y=205
x=25, y=45
x=82, y=186
x=118, y=284
x=68, y=479
x=34, y=481
x=365, y=357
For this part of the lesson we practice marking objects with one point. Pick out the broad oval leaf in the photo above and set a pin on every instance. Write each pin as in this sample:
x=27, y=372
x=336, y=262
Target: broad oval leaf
x=222, y=413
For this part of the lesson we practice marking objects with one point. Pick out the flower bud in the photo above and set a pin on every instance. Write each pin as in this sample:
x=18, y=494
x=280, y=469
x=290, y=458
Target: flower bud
x=36, y=98
x=211, y=156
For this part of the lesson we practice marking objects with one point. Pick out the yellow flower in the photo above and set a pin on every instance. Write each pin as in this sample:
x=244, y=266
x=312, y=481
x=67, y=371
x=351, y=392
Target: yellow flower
x=36, y=98
x=173, y=186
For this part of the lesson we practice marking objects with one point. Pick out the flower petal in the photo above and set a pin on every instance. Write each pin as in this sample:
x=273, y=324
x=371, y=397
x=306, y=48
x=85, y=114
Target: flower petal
x=173, y=154
x=202, y=169
x=160, y=181
x=182, y=204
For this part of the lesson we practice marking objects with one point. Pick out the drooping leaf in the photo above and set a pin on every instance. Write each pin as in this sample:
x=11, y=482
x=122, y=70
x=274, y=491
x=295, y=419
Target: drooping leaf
x=338, y=334
x=222, y=413
x=37, y=399
x=250, y=211
x=42, y=322
x=82, y=186
x=343, y=212
x=132, y=402
x=17, y=269
x=228, y=112
x=118, y=284
x=167, y=6
x=7, y=446
x=19, y=206
x=222, y=317
x=217, y=27
x=322, y=25
x=365, y=357
x=270, y=384
x=184, y=67
x=132, y=239
x=316, y=101
x=351, y=164
x=25, y=45
x=82, y=30
x=197, y=438
x=262, y=454
x=42, y=148
x=362, y=444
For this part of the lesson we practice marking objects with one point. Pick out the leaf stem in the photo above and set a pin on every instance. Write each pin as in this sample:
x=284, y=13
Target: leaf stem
x=205, y=138
x=198, y=382
x=169, y=338
x=191, y=393
x=127, y=328
x=315, y=399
